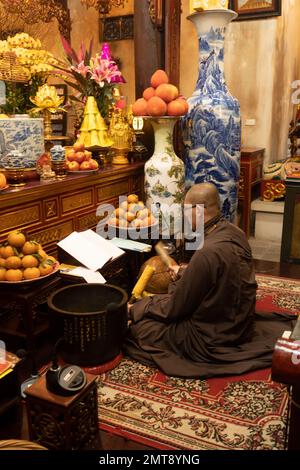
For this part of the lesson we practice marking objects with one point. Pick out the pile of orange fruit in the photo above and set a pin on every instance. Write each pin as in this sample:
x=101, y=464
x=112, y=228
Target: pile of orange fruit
x=132, y=213
x=22, y=259
x=160, y=99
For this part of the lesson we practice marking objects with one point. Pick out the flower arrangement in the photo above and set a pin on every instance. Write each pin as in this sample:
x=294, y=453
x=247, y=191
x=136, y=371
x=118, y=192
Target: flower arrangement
x=36, y=64
x=91, y=76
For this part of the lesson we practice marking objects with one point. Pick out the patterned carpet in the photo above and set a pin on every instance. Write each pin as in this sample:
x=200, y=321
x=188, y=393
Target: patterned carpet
x=245, y=412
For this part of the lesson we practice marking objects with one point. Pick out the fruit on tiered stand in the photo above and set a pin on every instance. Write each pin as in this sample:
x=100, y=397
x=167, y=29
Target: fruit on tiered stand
x=80, y=159
x=24, y=259
x=132, y=213
x=160, y=99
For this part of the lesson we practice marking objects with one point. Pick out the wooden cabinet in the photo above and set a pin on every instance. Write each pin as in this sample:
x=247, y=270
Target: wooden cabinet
x=49, y=212
x=249, y=184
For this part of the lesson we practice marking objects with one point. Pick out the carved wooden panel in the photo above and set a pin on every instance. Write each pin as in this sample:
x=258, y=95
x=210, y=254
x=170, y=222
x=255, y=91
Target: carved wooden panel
x=55, y=233
x=113, y=190
x=87, y=221
x=77, y=201
x=50, y=208
x=24, y=217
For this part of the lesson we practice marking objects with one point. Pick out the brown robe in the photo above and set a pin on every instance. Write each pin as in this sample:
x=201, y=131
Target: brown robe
x=206, y=325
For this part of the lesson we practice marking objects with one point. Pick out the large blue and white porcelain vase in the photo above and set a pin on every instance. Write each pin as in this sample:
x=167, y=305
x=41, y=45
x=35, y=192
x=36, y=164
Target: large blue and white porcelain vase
x=212, y=127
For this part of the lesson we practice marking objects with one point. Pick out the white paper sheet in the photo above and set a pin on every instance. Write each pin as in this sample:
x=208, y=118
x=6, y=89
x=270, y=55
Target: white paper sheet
x=90, y=249
x=89, y=276
x=103, y=244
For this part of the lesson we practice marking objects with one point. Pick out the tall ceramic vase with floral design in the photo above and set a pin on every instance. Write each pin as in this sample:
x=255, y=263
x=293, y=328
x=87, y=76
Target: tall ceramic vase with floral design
x=165, y=175
x=212, y=127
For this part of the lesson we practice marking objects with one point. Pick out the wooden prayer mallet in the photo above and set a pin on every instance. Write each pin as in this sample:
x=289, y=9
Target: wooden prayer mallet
x=166, y=259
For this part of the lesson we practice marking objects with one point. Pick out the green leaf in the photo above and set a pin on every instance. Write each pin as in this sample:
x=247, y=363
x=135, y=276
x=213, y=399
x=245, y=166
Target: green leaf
x=74, y=98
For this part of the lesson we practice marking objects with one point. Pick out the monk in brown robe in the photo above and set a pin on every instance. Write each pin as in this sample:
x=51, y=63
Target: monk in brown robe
x=206, y=325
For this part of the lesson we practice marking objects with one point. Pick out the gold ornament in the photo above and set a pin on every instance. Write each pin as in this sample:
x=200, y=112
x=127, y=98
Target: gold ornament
x=48, y=102
x=93, y=130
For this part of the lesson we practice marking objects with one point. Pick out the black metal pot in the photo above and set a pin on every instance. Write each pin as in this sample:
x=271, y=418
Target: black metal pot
x=92, y=320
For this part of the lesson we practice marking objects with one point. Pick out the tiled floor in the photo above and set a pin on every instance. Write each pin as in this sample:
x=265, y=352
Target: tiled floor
x=265, y=249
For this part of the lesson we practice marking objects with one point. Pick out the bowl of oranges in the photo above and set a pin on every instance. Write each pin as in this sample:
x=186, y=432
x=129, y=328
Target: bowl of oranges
x=132, y=216
x=24, y=260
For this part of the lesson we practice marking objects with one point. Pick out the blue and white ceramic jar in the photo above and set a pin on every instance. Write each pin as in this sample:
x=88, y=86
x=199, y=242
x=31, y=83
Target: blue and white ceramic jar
x=212, y=127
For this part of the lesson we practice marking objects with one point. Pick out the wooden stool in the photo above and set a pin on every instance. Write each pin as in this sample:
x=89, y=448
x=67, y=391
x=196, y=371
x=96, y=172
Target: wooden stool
x=63, y=423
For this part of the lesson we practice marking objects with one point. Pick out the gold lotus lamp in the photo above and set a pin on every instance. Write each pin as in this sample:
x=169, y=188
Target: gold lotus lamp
x=47, y=102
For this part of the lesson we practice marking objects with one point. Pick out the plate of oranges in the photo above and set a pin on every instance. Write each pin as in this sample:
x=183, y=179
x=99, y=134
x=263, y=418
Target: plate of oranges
x=132, y=214
x=24, y=260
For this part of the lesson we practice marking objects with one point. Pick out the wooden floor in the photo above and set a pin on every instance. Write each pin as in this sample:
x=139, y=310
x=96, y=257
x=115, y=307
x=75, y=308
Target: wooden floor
x=13, y=424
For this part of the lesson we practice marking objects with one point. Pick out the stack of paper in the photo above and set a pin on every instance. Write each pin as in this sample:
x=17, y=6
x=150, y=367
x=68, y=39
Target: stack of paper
x=90, y=249
x=131, y=245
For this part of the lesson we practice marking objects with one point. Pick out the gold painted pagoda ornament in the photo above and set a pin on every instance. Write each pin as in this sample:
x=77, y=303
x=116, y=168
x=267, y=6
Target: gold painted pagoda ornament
x=93, y=130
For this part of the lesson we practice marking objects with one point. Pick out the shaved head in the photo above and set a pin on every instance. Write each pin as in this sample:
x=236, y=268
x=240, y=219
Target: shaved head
x=206, y=194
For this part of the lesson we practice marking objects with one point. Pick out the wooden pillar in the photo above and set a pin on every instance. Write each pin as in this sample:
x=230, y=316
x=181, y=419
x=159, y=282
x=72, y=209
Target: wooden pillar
x=172, y=40
x=148, y=41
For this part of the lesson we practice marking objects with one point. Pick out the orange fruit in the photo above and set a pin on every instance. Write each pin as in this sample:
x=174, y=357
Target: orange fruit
x=46, y=267
x=124, y=206
x=132, y=198
x=114, y=222
x=185, y=104
x=136, y=223
x=176, y=108
x=2, y=263
x=13, y=262
x=29, y=261
x=8, y=251
x=133, y=208
x=158, y=78
x=2, y=274
x=141, y=205
x=120, y=213
x=16, y=238
x=31, y=273
x=14, y=275
x=123, y=223
x=51, y=258
x=140, y=107
x=156, y=107
x=167, y=92
x=30, y=247
x=42, y=253
x=129, y=216
x=148, y=93
x=142, y=214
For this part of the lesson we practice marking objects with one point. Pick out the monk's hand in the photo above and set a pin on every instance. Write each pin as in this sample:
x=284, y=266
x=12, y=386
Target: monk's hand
x=173, y=271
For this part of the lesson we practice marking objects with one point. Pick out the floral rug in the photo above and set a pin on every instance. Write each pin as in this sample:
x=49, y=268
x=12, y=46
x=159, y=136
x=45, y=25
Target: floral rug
x=245, y=412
